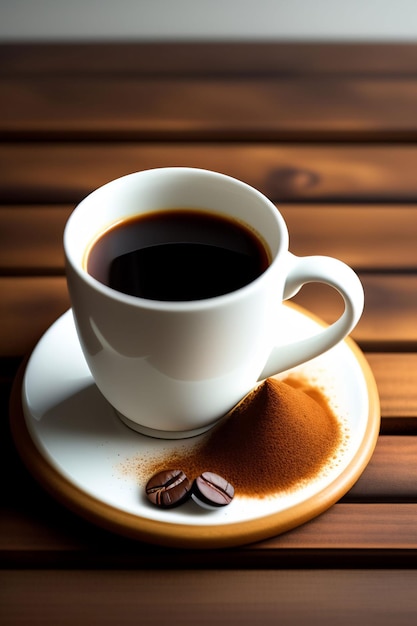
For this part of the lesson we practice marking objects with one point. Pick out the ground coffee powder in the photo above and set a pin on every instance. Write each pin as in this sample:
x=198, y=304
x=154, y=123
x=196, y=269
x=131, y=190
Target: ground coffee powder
x=280, y=436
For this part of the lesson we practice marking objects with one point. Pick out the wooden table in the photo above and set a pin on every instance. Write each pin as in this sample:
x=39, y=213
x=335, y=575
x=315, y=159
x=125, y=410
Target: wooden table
x=328, y=132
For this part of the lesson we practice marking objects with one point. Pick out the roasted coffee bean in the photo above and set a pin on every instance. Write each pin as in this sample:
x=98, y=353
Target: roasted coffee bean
x=168, y=488
x=212, y=491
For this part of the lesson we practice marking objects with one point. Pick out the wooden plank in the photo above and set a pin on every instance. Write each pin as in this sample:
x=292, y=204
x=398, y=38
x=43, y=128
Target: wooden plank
x=220, y=58
x=396, y=378
x=258, y=109
x=64, y=173
x=236, y=597
x=31, y=239
x=364, y=236
x=378, y=526
x=391, y=475
x=389, y=314
x=42, y=300
x=388, y=320
x=31, y=537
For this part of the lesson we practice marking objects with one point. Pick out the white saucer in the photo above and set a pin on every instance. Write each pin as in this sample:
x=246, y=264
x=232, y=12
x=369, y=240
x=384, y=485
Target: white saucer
x=74, y=444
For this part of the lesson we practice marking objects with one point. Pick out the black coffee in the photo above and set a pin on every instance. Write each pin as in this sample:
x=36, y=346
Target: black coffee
x=177, y=255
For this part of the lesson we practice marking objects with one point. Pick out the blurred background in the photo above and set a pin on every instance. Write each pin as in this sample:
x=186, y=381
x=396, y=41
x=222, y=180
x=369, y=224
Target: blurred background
x=49, y=20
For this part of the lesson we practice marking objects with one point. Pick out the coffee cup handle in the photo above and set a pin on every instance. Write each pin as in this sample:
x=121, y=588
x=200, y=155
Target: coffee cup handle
x=336, y=274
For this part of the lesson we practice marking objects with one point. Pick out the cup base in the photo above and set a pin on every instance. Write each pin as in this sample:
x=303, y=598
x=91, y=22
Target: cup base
x=162, y=434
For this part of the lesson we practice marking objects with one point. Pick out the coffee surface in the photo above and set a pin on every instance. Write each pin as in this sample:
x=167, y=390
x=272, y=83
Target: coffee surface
x=177, y=255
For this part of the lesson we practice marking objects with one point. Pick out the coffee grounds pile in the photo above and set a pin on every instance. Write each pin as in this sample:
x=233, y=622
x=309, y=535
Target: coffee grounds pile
x=277, y=438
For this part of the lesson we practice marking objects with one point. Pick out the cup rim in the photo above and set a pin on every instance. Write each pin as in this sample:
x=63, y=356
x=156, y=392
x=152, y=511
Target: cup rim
x=170, y=305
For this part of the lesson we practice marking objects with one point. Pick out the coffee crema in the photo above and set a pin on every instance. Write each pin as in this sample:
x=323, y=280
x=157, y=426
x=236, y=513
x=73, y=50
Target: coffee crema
x=177, y=255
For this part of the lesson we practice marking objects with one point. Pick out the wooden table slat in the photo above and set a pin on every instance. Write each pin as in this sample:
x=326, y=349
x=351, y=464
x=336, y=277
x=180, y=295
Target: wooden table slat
x=240, y=598
x=51, y=173
x=396, y=378
x=208, y=58
x=360, y=527
x=391, y=475
x=261, y=108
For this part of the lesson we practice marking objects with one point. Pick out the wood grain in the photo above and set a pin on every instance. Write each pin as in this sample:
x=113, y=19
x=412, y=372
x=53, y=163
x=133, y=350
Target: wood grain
x=237, y=597
x=396, y=379
x=28, y=306
x=391, y=475
x=366, y=237
x=51, y=173
x=31, y=239
x=32, y=538
x=219, y=58
x=261, y=108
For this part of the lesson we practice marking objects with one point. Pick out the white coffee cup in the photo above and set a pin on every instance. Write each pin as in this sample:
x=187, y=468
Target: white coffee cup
x=173, y=369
